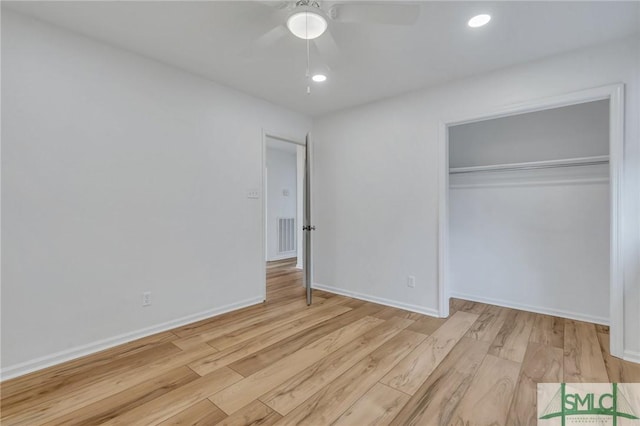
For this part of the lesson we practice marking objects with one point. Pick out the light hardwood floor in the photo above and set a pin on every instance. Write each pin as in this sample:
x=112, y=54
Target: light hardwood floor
x=341, y=361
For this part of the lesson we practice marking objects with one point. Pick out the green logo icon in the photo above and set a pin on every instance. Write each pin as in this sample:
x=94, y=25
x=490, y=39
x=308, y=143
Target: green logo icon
x=565, y=404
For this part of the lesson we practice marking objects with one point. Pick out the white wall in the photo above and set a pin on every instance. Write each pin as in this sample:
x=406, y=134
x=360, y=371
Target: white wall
x=534, y=239
x=376, y=176
x=121, y=175
x=537, y=246
x=281, y=177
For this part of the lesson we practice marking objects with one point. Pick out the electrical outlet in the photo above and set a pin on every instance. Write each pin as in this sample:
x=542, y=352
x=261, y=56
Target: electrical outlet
x=411, y=281
x=146, y=298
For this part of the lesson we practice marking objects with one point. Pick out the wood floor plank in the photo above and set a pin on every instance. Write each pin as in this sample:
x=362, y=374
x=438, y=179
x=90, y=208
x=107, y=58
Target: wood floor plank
x=280, y=313
x=328, y=404
x=389, y=312
x=488, y=398
x=542, y=364
x=292, y=296
x=255, y=413
x=489, y=324
x=511, y=341
x=240, y=394
x=583, y=360
x=619, y=370
x=204, y=413
x=80, y=366
x=115, y=405
x=226, y=318
x=548, y=330
x=322, y=293
x=51, y=390
x=467, y=306
x=287, y=396
x=414, y=369
x=71, y=399
x=245, y=348
x=244, y=334
x=435, y=401
x=287, y=276
x=286, y=288
x=355, y=303
x=377, y=407
x=426, y=325
x=176, y=401
x=263, y=358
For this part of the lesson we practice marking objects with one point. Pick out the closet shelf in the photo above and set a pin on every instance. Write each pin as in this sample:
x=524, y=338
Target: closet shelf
x=546, y=164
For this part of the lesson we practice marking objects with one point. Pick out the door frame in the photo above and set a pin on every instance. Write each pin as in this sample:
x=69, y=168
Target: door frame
x=263, y=223
x=615, y=94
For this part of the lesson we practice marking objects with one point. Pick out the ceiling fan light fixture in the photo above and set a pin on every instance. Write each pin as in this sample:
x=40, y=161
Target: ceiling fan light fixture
x=307, y=23
x=479, y=20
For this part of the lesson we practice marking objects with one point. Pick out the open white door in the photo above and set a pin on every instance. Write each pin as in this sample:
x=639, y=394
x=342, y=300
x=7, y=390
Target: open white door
x=308, y=227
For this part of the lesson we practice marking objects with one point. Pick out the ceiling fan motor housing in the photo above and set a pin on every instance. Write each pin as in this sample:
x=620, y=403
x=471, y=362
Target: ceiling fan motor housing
x=307, y=21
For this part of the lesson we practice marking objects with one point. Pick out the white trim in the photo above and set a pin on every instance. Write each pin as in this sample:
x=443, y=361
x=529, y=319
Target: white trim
x=100, y=345
x=289, y=255
x=282, y=138
x=443, y=220
x=615, y=94
x=263, y=223
x=574, y=98
x=531, y=308
x=578, y=161
x=585, y=181
x=632, y=356
x=379, y=300
x=616, y=175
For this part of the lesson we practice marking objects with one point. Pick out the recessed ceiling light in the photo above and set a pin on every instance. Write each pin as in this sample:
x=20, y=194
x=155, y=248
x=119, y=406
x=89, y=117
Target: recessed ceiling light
x=479, y=20
x=307, y=24
x=319, y=78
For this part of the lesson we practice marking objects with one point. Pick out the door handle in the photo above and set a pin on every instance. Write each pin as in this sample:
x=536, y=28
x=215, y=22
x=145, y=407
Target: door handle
x=308, y=228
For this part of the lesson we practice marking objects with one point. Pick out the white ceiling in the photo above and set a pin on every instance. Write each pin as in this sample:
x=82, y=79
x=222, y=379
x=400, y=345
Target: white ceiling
x=373, y=61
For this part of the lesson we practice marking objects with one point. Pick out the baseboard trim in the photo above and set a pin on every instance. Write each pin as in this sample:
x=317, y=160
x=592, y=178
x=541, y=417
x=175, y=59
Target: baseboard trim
x=530, y=308
x=632, y=356
x=291, y=255
x=100, y=345
x=378, y=300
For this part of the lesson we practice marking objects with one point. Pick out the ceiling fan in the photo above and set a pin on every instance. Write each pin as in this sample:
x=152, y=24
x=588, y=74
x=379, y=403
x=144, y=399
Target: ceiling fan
x=314, y=19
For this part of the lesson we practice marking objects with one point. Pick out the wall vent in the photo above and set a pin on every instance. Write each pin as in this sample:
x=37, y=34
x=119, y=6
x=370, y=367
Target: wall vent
x=286, y=235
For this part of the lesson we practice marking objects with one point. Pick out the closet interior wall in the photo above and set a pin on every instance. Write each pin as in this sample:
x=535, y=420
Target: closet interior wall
x=529, y=211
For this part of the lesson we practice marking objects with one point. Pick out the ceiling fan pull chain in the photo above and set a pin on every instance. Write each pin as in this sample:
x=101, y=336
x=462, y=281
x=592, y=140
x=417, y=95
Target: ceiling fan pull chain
x=308, y=61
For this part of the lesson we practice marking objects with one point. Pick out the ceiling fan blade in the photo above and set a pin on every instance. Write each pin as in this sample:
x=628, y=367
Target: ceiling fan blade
x=378, y=13
x=276, y=4
x=327, y=45
x=260, y=45
x=270, y=37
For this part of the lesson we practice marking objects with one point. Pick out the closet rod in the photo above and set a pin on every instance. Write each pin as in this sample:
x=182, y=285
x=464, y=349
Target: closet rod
x=546, y=164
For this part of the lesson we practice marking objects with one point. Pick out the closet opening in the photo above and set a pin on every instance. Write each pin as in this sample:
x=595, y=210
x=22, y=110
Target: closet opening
x=529, y=209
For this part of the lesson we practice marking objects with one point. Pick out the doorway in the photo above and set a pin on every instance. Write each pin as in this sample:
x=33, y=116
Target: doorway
x=612, y=96
x=284, y=189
